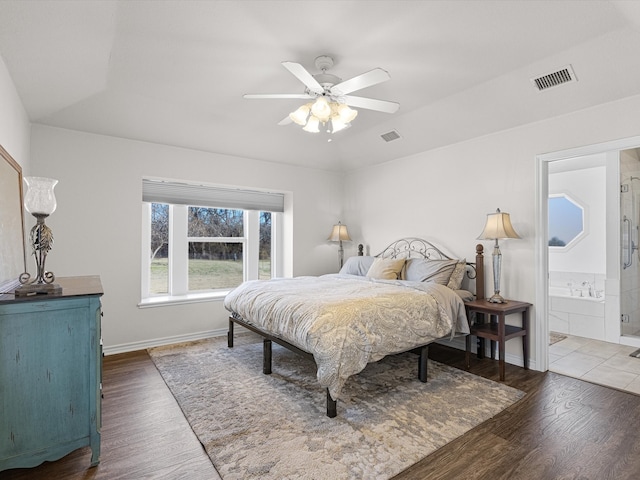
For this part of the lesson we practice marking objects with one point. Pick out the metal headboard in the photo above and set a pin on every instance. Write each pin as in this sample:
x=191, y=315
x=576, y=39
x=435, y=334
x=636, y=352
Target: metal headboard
x=413, y=248
x=419, y=248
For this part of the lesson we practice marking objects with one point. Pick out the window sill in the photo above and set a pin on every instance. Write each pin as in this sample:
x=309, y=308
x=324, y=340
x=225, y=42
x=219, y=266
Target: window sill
x=166, y=300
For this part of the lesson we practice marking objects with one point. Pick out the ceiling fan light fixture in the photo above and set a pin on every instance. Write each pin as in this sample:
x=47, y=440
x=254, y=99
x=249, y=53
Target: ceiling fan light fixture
x=338, y=124
x=330, y=96
x=300, y=115
x=321, y=109
x=346, y=114
x=312, y=125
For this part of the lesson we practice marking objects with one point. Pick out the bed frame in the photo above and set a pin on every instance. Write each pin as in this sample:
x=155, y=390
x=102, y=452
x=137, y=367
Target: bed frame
x=403, y=248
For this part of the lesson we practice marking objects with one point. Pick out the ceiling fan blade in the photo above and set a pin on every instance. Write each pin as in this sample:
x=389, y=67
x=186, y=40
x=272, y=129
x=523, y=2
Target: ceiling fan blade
x=302, y=96
x=285, y=121
x=373, y=77
x=371, y=104
x=304, y=76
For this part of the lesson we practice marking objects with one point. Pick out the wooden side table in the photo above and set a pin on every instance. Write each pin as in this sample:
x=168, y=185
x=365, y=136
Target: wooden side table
x=497, y=330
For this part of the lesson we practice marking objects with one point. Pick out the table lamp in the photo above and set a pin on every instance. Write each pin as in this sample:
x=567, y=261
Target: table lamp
x=340, y=234
x=498, y=227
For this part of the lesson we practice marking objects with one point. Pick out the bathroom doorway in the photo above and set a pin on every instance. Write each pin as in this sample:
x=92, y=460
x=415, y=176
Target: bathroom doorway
x=601, y=287
x=577, y=246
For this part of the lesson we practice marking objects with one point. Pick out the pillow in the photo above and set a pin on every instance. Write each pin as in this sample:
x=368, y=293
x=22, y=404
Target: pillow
x=434, y=271
x=386, y=268
x=465, y=295
x=357, y=265
x=455, y=281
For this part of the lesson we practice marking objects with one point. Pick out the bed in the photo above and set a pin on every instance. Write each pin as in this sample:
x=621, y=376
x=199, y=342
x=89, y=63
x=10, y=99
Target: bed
x=406, y=297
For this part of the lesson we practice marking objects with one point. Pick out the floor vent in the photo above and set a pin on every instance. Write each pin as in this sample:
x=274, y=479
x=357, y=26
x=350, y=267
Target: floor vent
x=390, y=136
x=564, y=75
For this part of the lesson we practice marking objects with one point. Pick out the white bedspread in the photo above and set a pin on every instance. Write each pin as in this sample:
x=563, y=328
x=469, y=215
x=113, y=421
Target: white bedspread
x=348, y=321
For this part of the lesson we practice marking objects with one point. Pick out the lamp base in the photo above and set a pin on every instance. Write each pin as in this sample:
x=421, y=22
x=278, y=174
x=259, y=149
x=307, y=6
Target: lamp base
x=496, y=298
x=38, y=288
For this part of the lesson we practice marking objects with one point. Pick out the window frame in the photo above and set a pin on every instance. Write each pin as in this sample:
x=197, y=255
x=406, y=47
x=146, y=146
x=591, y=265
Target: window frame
x=582, y=234
x=178, y=264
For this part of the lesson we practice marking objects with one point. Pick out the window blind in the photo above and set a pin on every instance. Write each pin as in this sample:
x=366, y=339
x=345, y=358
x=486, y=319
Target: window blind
x=160, y=191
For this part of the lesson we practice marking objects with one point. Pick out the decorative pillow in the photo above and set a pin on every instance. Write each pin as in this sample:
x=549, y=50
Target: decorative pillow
x=455, y=281
x=357, y=265
x=434, y=271
x=386, y=268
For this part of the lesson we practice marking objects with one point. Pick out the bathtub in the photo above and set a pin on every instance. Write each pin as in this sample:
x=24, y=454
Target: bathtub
x=576, y=315
x=579, y=294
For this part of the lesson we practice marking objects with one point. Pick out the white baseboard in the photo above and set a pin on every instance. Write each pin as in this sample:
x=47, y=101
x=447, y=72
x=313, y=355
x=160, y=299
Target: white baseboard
x=157, y=342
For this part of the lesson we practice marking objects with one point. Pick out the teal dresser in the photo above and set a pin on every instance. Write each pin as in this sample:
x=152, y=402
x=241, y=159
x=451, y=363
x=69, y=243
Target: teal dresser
x=50, y=374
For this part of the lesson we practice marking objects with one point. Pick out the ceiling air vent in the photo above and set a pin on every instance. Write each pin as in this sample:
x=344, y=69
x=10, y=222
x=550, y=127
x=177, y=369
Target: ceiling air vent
x=564, y=75
x=390, y=136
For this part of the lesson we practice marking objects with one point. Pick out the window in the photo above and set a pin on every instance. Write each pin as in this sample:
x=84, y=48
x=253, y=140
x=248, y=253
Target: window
x=195, y=246
x=566, y=221
x=216, y=248
x=159, y=268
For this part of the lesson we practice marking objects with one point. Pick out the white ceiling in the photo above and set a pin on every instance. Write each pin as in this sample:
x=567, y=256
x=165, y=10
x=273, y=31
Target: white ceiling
x=174, y=72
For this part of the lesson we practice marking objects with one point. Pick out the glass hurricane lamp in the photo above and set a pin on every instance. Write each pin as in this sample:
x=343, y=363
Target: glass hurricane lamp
x=40, y=202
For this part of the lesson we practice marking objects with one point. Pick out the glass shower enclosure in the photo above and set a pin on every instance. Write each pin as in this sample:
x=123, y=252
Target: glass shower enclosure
x=630, y=241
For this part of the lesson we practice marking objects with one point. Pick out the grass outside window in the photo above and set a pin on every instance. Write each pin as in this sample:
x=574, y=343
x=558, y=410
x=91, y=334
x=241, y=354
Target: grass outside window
x=205, y=274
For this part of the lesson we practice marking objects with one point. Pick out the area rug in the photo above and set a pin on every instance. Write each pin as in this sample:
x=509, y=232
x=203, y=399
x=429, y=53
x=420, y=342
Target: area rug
x=635, y=353
x=555, y=337
x=256, y=426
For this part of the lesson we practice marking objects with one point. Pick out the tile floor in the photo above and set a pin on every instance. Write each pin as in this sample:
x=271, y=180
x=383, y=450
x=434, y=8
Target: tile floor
x=598, y=362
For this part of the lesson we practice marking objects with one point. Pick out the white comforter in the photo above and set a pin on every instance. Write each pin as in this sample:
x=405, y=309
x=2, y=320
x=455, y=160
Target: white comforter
x=347, y=321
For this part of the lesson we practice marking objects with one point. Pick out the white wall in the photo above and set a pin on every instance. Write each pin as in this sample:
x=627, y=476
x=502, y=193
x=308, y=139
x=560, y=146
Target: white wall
x=14, y=124
x=445, y=194
x=14, y=138
x=588, y=254
x=97, y=225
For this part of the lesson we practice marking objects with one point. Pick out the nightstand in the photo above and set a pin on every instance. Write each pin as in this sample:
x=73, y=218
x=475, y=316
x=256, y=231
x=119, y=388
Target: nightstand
x=497, y=330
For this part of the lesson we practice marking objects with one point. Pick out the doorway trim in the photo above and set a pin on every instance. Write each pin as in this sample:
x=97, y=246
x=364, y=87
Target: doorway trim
x=542, y=233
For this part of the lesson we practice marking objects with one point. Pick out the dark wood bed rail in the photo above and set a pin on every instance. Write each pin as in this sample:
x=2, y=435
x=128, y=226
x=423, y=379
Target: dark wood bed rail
x=476, y=273
x=479, y=272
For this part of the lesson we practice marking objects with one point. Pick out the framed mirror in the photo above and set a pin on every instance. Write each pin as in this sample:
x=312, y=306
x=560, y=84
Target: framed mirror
x=12, y=241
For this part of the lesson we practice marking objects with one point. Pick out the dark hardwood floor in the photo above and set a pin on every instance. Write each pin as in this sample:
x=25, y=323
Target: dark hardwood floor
x=563, y=429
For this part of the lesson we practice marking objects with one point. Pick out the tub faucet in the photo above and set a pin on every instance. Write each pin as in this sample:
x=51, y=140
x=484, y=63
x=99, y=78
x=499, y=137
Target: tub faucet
x=588, y=284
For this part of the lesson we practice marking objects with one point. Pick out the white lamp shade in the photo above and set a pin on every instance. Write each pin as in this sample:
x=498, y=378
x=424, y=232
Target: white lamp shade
x=498, y=227
x=312, y=125
x=339, y=233
x=321, y=109
x=40, y=199
x=347, y=114
x=300, y=115
x=337, y=124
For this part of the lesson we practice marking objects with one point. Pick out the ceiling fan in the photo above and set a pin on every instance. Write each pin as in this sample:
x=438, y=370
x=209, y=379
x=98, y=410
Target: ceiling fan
x=330, y=95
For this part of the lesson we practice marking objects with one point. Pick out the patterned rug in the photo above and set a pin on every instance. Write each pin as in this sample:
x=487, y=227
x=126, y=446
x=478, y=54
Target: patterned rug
x=256, y=426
